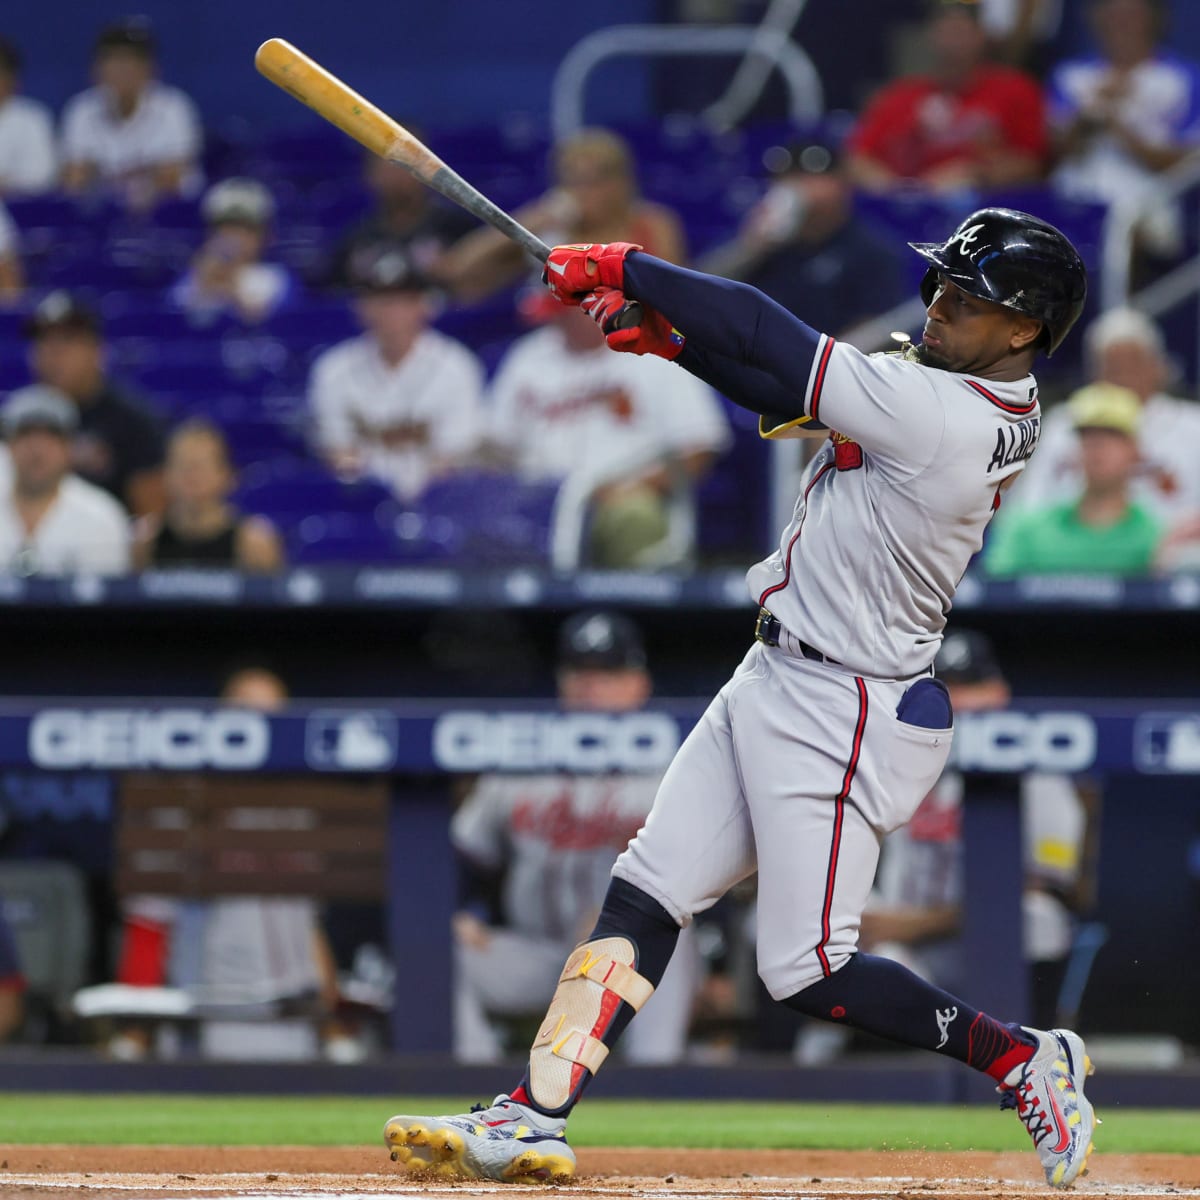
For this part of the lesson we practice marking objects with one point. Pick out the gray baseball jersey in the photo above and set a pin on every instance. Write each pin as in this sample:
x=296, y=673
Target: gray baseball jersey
x=878, y=541
x=799, y=766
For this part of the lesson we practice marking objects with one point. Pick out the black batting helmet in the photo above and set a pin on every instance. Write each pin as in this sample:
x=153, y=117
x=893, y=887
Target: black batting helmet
x=1014, y=259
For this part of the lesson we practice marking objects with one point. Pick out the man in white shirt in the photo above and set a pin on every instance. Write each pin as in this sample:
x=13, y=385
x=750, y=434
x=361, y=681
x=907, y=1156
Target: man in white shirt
x=627, y=434
x=28, y=161
x=402, y=402
x=51, y=521
x=130, y=132
x=1125, y=347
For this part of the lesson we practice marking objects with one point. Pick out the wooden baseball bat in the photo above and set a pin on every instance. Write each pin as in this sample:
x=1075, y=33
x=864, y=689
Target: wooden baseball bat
x=341, y=105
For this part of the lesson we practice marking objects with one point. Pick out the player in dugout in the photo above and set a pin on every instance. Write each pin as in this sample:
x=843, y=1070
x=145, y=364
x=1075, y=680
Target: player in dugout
x=535, y=852
x=833, y=728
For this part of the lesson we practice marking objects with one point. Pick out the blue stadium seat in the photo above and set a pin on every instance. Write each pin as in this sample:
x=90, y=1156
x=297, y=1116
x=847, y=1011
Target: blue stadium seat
x=500, y=518
x=14, y=369
x=337, y=203
x=732, y=503
x=176, y=212
x=337, y=538
x=291, y=487
x=316, y=322
x=351, y=538
x=57, y=211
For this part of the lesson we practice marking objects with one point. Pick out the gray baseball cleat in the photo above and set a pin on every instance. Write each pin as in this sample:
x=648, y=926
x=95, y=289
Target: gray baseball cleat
x=507, y=1142
x=1047, y=1092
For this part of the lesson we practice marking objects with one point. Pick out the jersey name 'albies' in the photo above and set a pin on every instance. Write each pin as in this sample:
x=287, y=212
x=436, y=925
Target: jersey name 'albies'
x=894, y=505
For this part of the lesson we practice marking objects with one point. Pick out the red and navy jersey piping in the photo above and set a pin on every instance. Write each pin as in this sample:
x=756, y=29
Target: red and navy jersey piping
x=787, y=572
x=838, y=819
x=814, y=405
x=1017, y=410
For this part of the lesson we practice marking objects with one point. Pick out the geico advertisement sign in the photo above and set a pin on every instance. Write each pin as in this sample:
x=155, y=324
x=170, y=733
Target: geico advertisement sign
x=1017, y=741
x=179, y=738
x=492, y=741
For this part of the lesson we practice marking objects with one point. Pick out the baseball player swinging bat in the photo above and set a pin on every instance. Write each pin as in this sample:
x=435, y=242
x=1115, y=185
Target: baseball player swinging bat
x=311, y=84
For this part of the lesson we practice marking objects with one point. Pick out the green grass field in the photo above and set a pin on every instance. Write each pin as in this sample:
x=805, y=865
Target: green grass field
x=337, y=1121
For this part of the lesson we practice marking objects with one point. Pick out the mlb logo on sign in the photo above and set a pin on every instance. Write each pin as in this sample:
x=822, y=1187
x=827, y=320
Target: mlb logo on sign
x=358, y=740
x=1167, y=743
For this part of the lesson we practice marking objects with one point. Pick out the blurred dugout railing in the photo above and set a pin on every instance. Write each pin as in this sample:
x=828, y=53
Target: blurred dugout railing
x=806, y=103
x=1179, y=188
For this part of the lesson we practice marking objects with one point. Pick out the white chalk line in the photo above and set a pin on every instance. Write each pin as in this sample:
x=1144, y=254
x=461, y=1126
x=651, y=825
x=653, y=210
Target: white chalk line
x=239, y=1186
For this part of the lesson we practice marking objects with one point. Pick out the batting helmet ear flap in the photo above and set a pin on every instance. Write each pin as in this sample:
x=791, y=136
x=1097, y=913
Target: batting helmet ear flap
x=929, y=286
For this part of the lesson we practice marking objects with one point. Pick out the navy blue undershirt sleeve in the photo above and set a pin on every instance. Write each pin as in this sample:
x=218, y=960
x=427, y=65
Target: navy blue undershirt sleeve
x=746, y=386
x=730, y=320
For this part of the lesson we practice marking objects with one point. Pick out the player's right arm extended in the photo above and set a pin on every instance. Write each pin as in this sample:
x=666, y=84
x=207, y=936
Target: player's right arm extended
x=730, y=325
x=731, y=320
x=878, y=401
x=653, y=334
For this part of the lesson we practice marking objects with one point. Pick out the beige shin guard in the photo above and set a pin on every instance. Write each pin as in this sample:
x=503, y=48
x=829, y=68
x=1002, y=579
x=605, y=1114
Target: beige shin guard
x=597, y=977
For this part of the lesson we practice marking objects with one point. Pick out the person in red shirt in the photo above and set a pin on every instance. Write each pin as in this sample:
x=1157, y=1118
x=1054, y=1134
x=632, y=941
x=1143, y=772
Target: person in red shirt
x=967, y=124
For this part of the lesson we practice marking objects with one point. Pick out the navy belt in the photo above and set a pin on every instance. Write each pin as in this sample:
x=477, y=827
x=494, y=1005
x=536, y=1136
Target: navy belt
x=768, y=630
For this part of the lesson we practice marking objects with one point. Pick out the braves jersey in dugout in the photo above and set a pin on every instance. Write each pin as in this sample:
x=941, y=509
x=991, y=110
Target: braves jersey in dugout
x=555, y=837
x=894, y=504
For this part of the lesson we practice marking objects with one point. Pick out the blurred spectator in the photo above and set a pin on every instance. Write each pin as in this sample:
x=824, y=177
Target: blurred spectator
x=1125, y=347
x=118, y=445
x=594, y=199
x=51, y=521
x=28, y=161
x=200, y=528
x=1125, y=115
x=1103, y=530
x=804, y=246
x=630, y=436
x=130, y=134
x=229, y=276
x=1019, y=29
x=253, y=952
x=405, y=210
x=273, y=944
x=402, y=402
x=12, y=983
x=535, y=852
x=967, y=125
x=12, y=275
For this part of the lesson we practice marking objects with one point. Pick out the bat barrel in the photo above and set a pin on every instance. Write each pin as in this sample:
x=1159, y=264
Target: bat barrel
x=297, y=74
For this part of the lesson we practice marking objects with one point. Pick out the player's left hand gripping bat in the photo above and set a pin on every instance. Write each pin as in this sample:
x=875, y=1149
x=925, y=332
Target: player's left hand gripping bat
x=338, y=103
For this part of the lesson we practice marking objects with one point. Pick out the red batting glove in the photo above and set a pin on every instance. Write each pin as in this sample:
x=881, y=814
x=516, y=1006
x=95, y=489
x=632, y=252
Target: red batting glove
x=653, y=334
x=573, y=271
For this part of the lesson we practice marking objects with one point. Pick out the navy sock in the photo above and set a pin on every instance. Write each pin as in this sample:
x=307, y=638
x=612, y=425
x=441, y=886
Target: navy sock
x=629, y=913
x=881, y=997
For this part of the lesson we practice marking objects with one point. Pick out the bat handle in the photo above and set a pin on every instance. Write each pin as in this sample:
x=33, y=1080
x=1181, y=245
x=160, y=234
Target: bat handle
x=629, y=317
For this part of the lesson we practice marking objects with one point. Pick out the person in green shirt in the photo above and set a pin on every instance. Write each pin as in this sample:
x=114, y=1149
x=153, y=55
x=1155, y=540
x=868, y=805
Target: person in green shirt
x=1103, y=531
